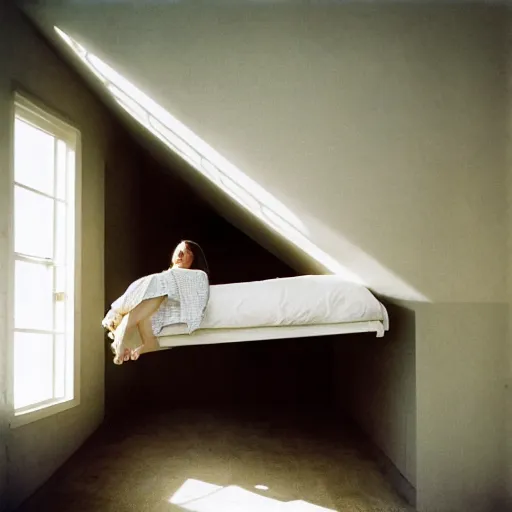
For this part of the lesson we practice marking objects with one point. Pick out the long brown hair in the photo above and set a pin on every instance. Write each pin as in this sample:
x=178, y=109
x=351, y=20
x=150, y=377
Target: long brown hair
x=199, y=262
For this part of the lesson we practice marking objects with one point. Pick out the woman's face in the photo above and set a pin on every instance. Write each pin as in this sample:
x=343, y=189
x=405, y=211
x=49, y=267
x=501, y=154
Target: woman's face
x=183, y=257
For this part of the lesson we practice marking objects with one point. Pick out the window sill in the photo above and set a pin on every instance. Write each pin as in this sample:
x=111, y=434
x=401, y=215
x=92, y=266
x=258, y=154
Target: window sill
x=40, y=412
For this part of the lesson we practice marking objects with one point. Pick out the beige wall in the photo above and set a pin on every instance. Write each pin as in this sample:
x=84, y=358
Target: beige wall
x=4, y=212
x=383, y=129
x=508, y=389
x=460, y=405
x=375, y=383
x=34, y=451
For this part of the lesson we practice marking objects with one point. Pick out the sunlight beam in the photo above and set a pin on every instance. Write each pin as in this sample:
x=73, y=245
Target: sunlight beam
x=205, y=159
x=241, y=188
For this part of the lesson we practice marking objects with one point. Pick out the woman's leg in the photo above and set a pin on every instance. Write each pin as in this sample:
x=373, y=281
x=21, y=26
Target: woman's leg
x=121, y=352
x=144, y=310
x=149, y=340
x=140, y=317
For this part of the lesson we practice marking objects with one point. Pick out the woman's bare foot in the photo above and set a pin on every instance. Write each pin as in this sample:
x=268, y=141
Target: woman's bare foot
x=135, y=353
x=119, y=360
x=150, y=345
x=148, y=339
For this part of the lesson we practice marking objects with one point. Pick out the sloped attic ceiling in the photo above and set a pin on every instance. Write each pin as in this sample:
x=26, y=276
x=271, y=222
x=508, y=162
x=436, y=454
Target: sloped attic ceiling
x=258, y=101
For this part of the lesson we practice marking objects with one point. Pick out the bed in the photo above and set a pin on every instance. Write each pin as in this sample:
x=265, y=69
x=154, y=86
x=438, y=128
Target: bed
x=294, y=307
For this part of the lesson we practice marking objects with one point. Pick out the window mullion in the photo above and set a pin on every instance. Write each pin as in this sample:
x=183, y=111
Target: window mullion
x=38, y=405
x=54, y=276
x=35, y=191
x=36, y=331
x=67, y=277
x=33, y=259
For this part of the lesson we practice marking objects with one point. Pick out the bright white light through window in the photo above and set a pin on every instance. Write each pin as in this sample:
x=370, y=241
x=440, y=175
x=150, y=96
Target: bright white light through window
x=33, y=296
x=33, y=368
x=42, y=144
x=44, y=241
x=33, y=209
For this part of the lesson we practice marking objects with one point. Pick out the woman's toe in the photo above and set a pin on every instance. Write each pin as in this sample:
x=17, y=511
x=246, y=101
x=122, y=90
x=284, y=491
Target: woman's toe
x=136, y=354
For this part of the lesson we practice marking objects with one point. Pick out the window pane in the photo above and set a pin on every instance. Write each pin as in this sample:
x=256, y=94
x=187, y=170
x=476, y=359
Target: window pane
x=33, y=368
x=60, y=366
x=61, y=169
x=33, y=157
x=33, y=296
x=60, y=316
x=60, y=279
x=33, y=223
x=60, y=246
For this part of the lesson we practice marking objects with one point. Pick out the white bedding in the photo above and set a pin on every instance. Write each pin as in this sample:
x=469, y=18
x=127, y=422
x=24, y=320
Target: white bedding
x=302, y=300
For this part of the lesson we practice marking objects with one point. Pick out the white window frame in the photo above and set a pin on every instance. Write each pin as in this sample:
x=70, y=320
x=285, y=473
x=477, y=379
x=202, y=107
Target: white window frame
x=37, y=114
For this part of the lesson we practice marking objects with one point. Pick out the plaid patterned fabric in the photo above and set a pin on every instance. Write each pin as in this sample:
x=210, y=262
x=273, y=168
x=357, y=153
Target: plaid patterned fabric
x=187, y=293
x=186, y=301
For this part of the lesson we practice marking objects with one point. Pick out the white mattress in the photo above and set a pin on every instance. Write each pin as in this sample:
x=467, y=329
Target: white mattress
x=283, y=308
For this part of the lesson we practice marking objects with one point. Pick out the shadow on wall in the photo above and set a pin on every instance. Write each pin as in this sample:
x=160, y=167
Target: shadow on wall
x=374, y=384
x=172, y=211
x=251, y=374
x=145, y=219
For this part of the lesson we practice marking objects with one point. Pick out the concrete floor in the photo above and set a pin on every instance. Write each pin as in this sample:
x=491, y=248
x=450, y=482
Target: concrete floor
x=212, y=461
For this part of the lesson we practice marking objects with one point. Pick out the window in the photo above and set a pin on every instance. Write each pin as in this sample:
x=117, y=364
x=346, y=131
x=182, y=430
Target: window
x=43, y=331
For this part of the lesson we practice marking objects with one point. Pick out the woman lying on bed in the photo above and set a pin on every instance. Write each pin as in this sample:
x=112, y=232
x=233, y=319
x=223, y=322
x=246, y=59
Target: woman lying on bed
x=176, y=295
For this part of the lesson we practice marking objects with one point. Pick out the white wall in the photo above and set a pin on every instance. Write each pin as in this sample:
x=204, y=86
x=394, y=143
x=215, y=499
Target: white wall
x=383, y=128
x=37, y=449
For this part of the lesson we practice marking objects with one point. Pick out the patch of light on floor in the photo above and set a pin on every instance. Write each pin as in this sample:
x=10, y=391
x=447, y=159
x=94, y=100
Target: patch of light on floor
x=198, y=496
